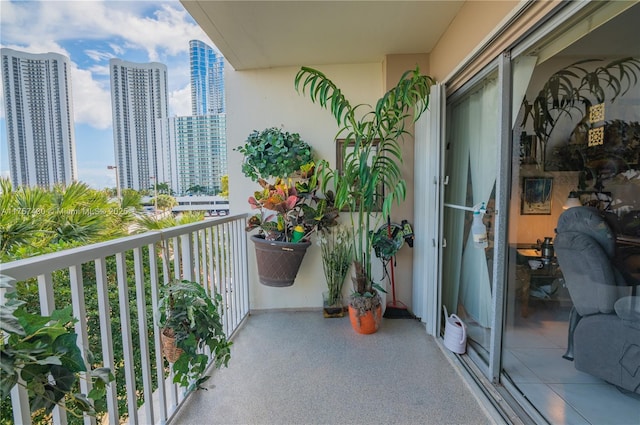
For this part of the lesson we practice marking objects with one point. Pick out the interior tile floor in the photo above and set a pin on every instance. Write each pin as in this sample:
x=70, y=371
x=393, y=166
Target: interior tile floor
x=563, y=395
x=300, y=368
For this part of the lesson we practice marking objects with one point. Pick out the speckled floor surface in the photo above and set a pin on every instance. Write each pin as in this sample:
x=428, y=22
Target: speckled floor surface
x=300, y=368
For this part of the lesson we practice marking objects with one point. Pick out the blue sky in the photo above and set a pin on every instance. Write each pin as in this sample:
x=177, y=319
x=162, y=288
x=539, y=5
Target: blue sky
x=90, y=33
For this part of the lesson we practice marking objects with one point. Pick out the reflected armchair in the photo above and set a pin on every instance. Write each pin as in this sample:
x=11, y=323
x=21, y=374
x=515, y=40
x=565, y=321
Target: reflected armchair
x=604, y=327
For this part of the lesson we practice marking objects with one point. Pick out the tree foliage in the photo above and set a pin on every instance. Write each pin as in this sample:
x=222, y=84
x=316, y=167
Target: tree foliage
x=36, y=220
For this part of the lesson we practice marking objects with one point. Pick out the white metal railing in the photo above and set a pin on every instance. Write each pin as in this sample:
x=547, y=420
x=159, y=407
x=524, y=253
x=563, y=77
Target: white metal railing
x=212, y=252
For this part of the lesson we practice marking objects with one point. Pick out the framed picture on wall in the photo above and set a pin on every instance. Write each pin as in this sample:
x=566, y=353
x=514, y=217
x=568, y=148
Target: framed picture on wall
x=536, y=195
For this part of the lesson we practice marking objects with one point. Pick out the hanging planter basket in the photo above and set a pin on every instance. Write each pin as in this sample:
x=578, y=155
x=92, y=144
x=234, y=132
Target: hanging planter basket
x=278, y=262
x=170, y=350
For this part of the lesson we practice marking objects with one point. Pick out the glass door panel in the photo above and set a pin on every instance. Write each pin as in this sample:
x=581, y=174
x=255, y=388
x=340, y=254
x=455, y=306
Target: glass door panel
x=471, y=158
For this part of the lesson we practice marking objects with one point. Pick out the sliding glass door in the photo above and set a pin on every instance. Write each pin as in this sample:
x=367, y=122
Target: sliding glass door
x=471, y=168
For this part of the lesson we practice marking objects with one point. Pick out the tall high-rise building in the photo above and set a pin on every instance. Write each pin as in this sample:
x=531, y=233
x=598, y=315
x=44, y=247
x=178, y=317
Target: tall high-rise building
x=39, y=118
x=198, y=151
x=139, y=97
x=207, y=79
x=198, y=143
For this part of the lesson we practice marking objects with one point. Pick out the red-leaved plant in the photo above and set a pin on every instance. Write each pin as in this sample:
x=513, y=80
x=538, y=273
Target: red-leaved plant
x=285, y=205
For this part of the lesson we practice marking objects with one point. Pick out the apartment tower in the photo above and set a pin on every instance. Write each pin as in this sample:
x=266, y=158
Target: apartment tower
x=207, y=79
x=39, y=118
x=198, y=142
x=139, y=98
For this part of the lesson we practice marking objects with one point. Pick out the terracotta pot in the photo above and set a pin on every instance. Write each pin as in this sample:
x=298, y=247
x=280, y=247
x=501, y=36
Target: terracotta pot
x=278, y=262
x=366, y=323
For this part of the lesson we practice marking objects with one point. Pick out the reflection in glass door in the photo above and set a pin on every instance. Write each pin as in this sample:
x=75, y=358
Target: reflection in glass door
x=471, y=164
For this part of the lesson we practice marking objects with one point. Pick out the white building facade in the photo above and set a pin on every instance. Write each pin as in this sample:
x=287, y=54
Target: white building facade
x=39, y=118
x=198, y=152
x=139, y=97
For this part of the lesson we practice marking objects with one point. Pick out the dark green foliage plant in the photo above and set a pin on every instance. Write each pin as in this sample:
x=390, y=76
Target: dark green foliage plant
x=194, y=318
x=273, y=153
x=41, y=354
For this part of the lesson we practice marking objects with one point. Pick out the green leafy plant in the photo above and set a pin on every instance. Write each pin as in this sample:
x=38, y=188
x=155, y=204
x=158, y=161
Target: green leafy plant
x=273, y=153
x=336, y=247
x=292, y=200
x=371, y=159
x=194, y=318
x=288, y=206
x=40, y=353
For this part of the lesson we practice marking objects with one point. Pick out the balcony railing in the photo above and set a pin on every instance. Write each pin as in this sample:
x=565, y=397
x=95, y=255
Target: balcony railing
x=122, y=279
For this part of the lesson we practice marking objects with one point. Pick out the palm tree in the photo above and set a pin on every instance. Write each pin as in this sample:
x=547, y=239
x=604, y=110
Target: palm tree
x=35, y=219
x=197, y=189
x=374, y=134
x=163, y=188
x=23, y=217
x=166, y=202
x=79, y=214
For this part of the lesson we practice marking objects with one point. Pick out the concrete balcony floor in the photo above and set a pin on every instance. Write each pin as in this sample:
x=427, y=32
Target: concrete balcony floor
x=300, y=368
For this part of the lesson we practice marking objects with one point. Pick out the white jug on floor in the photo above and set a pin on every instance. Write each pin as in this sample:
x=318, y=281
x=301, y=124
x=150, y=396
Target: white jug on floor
x=455, y=333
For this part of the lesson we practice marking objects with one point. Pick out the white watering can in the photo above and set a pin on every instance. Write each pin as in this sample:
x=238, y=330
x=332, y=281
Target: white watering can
x=455, y=333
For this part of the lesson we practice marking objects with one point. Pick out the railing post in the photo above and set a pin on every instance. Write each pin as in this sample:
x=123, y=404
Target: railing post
x=127, y=341
x=186, y=247
x=47, y=305
x=79, y=311
x=106, y=337
x=143, y=339
x=155, y=297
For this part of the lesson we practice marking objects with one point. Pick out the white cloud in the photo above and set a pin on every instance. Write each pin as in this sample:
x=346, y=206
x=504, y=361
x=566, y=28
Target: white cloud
x=99, y=70
x=180, y=102
x=98, y=55
x=118, y=50
x=91, y=101
x=166, y=33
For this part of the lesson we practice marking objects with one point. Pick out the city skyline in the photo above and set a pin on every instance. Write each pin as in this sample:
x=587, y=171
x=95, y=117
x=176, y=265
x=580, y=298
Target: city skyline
x=85, y=32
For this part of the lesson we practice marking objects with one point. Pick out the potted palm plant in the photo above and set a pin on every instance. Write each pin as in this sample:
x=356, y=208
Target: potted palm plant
x=371, y=160
x=289, y=210
x=190, y=320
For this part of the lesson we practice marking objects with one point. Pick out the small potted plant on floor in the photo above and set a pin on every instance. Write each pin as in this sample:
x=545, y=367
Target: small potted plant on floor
x=371, y=159
x=337, y=255
x=190, y=320
x=290, y=209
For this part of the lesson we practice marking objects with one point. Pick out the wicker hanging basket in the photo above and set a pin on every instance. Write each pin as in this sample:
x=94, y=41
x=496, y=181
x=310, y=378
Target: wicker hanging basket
x=169, y=348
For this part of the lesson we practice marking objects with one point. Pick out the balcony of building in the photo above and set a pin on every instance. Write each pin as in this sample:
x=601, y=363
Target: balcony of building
x=286, y=366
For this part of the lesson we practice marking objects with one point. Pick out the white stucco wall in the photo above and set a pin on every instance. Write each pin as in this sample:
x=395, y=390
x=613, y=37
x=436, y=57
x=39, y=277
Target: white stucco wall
x=259, y=99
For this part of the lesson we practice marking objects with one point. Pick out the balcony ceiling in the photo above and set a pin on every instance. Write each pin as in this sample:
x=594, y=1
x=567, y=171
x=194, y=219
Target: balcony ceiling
x=267, y=34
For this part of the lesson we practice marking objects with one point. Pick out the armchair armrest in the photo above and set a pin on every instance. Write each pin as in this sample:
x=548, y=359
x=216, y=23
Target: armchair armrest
x=628, y=309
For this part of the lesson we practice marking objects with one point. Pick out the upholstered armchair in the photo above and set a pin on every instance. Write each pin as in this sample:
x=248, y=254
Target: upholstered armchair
x=604, y=327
